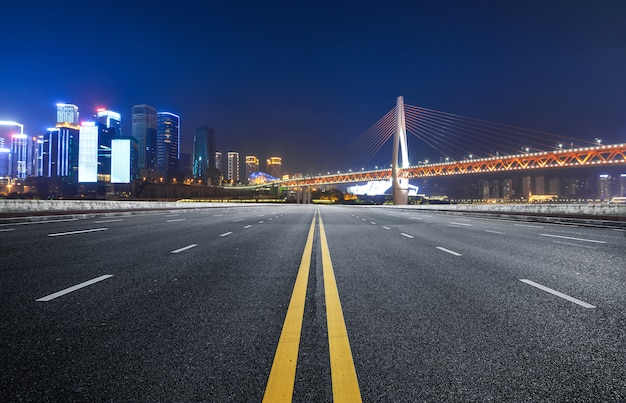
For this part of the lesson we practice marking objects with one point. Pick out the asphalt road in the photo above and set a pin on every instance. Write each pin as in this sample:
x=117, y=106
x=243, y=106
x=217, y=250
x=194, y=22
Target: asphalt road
x=190, y=306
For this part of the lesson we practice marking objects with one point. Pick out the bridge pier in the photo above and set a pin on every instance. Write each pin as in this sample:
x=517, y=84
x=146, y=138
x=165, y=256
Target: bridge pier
x=399, y=183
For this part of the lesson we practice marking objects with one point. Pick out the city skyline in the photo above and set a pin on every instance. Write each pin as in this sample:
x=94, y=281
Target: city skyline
x=305, y=80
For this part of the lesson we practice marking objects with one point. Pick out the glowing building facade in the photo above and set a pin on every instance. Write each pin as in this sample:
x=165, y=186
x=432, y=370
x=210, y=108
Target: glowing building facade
x=88, y=153
x=59, y=153
x=144, y=128
x=232, y=169
x=167, y=146
x=274, y=166
x=123, y=159
x=252, y=165
x=67, y=116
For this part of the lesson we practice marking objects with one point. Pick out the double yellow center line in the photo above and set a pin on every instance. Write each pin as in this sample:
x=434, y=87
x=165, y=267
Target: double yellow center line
x=282, y=377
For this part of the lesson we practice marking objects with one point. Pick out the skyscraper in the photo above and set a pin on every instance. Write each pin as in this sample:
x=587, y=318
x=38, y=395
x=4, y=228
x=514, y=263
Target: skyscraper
x=218, y=161
x=144, y=126
x=111, y=120
x=88, y=153
x=252, y=165
x=67, y=116
x=232, y=170
x=274, y=167
x=167, y=146
x=59, y=153
x=203, y=152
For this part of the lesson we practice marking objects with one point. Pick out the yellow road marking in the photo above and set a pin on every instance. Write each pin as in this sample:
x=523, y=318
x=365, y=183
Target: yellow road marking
x=343, y=374
x=283, y=373
x=281, y=381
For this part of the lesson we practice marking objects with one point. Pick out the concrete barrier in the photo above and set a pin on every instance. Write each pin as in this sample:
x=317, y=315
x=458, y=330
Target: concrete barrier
x=14, y=206
x=598, y=209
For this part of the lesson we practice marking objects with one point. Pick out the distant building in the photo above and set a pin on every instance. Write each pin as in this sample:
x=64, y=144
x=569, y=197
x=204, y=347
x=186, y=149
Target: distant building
x=507, y=189
x=59, y=153
x=144, y=125
x=88, y=153
x=252, y=165
x=274, y=167
x=232, y=169
x=604, y=187
x=204, y=168
x=622, y=185
x=167, y=147
x=23, y=156
x=67, y=116
x=218, y=161
x=124, y=152
x=110, y=120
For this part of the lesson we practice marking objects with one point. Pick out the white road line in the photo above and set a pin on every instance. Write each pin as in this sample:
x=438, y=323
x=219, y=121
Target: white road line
x=7, y=229
x=226, y=233
x=385, y=227
x=105, y=221
x=620, y=230
x=39, y=222
x=193, y=245
x=238, y=220
x=574, y=244
x=172, y=215
x=218, y=215
x=176, y=220
x=363, y=219
x=558, y=294
x=78, y=232
x=73, y=288
x=528, y=226
x=248, y=226
x=572, y=238
x=372, y=222
x=415, y=218
x=460, y=223
x=407, y=235
x=449, y=251
x=495, y=232
x=269, y=219
x=261, y=222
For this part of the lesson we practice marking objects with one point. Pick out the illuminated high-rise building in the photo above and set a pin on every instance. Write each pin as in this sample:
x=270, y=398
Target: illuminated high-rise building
x=252, y=165
x=67, y=116
x=622, y=185
x=144, y=128
x=274, y=167
x=23, y=156
x=88, y=153
x=167, y=147
x=110, y=120
x=232, y=169
x=123, y=159
x=59, y=153
x=201, y=155
x=218, y=161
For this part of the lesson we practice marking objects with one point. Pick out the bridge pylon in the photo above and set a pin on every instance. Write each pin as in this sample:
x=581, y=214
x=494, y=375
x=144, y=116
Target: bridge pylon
x=399, y=181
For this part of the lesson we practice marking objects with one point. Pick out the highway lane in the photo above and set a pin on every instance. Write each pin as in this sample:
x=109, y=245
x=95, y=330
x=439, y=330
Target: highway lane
x=433, y=305
x=429, y=325
x=198, y=325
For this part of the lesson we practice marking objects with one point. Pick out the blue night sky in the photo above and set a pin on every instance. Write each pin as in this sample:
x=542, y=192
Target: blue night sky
x=304, y=80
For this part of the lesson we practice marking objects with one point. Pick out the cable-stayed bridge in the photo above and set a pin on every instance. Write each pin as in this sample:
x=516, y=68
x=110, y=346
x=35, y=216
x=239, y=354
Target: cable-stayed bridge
x=498, y=147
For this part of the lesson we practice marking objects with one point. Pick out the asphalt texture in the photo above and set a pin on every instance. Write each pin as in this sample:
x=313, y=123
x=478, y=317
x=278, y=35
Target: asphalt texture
x=433, y=305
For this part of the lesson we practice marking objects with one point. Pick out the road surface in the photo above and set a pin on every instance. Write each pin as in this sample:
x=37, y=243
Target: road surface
x=416, y=306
